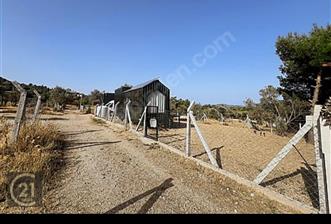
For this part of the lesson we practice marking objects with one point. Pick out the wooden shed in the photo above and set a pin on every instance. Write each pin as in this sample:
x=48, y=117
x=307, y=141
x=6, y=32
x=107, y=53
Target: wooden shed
x=151, y=91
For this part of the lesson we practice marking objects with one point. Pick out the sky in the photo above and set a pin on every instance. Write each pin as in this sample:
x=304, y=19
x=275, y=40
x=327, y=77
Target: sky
x=210, y=51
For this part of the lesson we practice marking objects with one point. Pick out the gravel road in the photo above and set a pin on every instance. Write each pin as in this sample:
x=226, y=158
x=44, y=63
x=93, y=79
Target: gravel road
x=110, y=171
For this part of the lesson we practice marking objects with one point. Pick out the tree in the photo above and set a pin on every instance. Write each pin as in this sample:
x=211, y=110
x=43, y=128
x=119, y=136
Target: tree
x=256, y=112
x=249, y=104
x=270, y=100
x=179, y=105
x=302, y=57
x=283, y=110
x=96, y=97
x=8, y=93
x=58, y=95
x=84, y=101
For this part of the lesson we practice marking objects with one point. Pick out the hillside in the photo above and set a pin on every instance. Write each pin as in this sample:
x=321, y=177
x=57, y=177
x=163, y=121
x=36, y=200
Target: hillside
x=8, y=93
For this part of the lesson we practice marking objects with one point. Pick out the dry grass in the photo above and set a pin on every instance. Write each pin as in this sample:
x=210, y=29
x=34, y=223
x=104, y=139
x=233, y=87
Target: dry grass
x=4, y=135
x=38, y=146
x=39, y=136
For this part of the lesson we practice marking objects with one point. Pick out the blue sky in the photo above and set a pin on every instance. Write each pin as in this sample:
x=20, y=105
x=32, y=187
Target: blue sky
x=101, y=44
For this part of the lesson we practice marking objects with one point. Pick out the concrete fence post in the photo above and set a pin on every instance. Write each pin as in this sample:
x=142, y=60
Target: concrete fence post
x=145, y=123
x=141, y=118
x=115, y=111
x=325, y=133
x=37, y=108
x=143, y=115
x=203, y=141
x=20, y=115
x=127, y=115
x=188, y=130
x=191, y=120
x=319, y=159
x=110, y=108
x=108, y=113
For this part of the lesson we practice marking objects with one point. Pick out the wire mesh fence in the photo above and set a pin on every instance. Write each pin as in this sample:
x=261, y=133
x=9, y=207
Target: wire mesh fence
x=246, y=152
x=115, y=114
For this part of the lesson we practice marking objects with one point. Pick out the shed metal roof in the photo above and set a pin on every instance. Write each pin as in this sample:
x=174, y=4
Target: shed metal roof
x=142, y=85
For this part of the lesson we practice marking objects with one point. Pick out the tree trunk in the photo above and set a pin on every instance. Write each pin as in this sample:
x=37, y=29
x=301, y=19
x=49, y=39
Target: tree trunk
x=317, y=90
x=310, y=135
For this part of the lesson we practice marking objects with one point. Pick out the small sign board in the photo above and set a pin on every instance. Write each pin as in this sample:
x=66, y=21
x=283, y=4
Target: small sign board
x=153, y=123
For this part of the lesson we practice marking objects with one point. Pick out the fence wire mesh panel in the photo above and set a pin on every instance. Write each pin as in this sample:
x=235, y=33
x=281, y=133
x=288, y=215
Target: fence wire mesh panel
x=296, y=176
x=246, y=152
x=118, y=117
x=107, y=113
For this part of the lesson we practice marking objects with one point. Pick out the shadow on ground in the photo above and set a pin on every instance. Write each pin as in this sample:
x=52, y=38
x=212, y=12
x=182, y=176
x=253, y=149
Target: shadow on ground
x=80, y=145
x=217, y=149
x=155, y=192
x=309, y=177
x=12, y=117
x=81, y=132
x=54, y=119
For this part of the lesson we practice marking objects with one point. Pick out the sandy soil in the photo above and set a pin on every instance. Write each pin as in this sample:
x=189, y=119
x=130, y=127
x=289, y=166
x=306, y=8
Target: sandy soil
x=243, y=152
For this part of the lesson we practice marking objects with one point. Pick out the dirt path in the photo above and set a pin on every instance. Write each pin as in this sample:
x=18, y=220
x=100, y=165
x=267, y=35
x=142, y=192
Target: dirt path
x=111, y=171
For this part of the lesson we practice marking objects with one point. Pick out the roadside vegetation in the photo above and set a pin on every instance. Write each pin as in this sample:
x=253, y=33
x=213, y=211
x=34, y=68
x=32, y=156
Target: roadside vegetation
x=56, y=98
x=38, y=149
